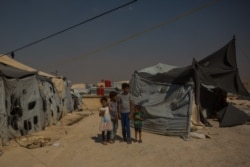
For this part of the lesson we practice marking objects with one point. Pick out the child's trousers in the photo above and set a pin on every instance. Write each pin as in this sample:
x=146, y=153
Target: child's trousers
x=104, y=137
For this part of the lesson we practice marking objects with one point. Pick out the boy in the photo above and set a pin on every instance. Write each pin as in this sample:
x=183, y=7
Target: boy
x=125, y=105
x=137, y=116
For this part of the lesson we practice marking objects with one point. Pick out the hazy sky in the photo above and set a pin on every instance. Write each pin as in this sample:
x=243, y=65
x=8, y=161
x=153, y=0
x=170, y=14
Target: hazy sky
x=83, y=54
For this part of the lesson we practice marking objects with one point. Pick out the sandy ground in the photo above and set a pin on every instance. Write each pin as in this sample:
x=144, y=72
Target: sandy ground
x=75, y=142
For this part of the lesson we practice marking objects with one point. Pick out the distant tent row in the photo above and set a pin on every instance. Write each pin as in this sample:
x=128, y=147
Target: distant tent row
x=174, y=98
x=30, y=99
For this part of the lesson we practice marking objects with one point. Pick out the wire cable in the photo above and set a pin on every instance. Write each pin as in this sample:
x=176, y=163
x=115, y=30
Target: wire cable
x=166, y=22
x=69, y=28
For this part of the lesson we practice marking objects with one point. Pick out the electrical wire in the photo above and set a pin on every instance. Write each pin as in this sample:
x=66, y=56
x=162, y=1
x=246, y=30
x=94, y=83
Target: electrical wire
x=140, y=33
x=69, y=28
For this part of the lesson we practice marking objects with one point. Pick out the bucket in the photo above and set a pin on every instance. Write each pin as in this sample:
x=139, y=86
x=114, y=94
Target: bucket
x=107, y=83
x=100, y=90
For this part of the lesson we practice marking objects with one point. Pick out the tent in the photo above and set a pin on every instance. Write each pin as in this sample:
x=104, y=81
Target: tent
x=172, y=98
x=30, y=99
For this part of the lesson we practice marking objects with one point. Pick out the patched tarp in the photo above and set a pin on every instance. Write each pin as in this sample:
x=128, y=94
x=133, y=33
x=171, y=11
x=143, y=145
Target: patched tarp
x=30, y=100
x=24, y=106
x=167, y=107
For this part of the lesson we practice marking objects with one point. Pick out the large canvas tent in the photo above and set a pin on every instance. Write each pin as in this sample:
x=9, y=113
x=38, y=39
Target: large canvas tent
x=30, y=99
x=172, y=98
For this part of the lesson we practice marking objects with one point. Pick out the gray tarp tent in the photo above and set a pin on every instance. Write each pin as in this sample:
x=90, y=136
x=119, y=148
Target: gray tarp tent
x=169, y=94
x=30, y=99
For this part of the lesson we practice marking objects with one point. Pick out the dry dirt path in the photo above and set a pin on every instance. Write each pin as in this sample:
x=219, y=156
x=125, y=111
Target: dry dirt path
x=81, y=147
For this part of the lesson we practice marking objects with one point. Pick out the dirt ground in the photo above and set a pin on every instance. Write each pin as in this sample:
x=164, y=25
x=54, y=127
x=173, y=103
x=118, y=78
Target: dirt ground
x=75, y=142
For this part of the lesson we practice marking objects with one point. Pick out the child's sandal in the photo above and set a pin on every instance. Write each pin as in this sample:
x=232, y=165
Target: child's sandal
x=110, y=141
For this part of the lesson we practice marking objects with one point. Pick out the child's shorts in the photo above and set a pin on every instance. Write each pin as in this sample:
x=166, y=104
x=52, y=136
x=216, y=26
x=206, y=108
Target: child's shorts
x=138, y=128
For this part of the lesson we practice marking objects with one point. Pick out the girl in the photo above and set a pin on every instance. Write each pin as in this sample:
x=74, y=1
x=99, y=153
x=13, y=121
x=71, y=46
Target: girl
x=106, y=124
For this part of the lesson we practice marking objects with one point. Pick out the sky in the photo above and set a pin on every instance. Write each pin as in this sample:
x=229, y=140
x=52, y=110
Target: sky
x=113, y=46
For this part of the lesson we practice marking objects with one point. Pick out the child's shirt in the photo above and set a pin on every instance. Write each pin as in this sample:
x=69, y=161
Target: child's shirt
x=114, y=111
x=106, y=117
x=124, y=100
x=105, y=124
x=136, y=117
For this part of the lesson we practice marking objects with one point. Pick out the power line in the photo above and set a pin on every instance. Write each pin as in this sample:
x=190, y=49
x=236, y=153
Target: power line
x=166, y=22
x=69, y=28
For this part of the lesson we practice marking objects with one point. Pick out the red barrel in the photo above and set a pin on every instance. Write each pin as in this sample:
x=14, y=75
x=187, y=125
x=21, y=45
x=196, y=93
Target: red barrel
x=107, y=83
x=100, y=90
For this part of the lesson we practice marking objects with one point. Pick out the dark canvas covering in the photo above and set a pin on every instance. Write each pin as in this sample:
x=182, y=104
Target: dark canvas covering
x=218, y=69
x=231, y=116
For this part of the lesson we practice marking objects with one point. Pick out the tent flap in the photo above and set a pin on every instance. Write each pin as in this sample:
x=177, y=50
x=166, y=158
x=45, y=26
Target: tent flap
x=231, y=116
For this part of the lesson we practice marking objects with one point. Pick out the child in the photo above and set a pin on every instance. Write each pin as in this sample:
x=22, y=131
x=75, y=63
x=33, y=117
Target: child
x=106, y=124
x=125, y=107
x=113, y=108
x=137, y=116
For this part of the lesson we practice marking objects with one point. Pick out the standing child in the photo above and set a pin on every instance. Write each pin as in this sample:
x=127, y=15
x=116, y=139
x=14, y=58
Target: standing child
x=125, y=106
x=137, y=116
x=113, y=108
x=106, y=124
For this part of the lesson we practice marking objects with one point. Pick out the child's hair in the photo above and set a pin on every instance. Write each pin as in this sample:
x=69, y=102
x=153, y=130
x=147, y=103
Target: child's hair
x=125, y=85
x=112, y=94
x=104, y=98
x=138, y=106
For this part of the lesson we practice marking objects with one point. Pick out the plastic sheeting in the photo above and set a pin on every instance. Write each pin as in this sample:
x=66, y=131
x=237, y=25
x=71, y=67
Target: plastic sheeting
x=167, y=108
x=29, y=105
